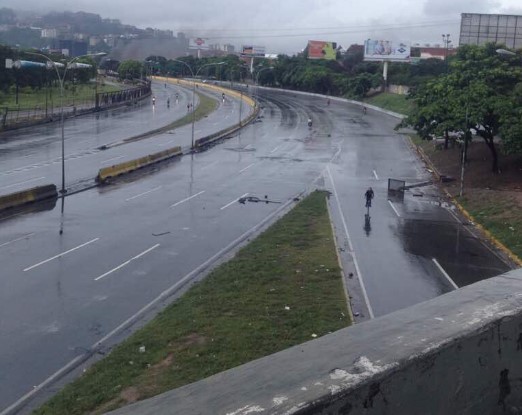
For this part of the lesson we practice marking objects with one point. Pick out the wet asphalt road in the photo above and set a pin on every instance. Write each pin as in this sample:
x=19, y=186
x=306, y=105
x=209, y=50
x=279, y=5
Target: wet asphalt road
x=125, y=244
x=32, y=156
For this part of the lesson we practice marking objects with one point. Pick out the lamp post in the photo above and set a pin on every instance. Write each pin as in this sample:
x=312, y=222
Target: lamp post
x=194, y=76
x=259, y=73
x=61, y=80
x=446, y=40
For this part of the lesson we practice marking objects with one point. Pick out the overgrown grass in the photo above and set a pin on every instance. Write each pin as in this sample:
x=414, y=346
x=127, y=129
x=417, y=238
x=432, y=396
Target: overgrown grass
x=499, y=213
x=282, y=289
x=29, y=98
x=392, y=102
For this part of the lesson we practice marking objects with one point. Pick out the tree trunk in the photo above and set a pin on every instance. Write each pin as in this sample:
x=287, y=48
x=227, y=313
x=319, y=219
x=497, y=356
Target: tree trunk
x=491, y=144
x=446, y=139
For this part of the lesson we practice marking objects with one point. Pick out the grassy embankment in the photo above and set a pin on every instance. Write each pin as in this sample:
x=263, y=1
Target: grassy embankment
x=392, y=102
x=282, y=289
x=31, y=98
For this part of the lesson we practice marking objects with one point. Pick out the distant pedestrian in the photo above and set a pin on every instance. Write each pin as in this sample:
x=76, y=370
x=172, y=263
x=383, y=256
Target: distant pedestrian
x=369, y=196
x=188, y=107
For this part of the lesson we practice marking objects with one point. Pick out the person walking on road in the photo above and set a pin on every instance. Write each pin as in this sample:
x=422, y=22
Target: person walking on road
x=369, y=196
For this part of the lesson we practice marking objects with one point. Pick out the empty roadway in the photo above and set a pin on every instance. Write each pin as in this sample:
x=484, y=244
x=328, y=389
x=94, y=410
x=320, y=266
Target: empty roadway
x=123, y=245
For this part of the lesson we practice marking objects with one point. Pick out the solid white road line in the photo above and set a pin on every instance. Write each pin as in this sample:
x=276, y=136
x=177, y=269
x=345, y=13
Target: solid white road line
x=234, y=201
x=187, y=199
x=394, y=209
x=363, y=288
x=126, y=262
x=60, y=255
x=17, y=239
x=246, y=168
x=24, y=182
x=445, y=274
x=375, y=174
x=144, y=193
x=114, y=158
x=275, y=149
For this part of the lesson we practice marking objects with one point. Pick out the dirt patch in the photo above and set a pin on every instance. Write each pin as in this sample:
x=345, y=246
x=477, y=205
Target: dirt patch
x=127, y=396
x=493, y=200
x=130, y=395
x=478, y=169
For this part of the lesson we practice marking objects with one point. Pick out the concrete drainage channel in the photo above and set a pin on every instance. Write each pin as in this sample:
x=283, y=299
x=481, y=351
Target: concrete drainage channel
x=49, y=192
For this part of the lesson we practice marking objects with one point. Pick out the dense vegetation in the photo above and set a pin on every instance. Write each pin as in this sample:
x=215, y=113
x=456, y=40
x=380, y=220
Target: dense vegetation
x=480, y=93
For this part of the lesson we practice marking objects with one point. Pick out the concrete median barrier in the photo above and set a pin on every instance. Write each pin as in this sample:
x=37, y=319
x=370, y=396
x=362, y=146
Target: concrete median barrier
x=205, y=141
x=116, y=170
x=24, y=197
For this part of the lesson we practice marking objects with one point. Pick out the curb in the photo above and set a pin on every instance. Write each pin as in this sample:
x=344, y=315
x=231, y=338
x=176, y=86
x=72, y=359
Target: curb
x=499, y=245
x=486, y=232
x=339, y=261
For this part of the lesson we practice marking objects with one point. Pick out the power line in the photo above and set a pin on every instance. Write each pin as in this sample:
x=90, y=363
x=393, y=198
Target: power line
x=344, y=29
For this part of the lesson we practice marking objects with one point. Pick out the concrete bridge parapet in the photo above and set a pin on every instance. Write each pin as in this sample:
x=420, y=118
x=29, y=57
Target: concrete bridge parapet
x=460, y=353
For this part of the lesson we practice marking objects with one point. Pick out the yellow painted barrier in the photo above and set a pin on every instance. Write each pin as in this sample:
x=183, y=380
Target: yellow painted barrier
x=23, y=197
x=246, y=98
x=115, y=170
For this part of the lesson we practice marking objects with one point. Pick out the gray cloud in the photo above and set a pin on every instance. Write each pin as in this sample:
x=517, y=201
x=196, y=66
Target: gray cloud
x=285, y=26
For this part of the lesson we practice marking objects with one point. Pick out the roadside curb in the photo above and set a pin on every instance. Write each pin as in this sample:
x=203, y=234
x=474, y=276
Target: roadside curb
x=488, y=234
x=339, y=261
x=499, y=245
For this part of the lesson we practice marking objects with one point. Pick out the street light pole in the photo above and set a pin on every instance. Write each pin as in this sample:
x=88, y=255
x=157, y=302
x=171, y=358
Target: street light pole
x=61, y=83
x=259, y=73
x=194, y=76
x=446, y=40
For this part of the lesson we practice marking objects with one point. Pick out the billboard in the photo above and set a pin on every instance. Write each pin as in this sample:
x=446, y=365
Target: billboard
x=386, y=50
x=478, y=29
x=250, y=51
x=198, y=43
x=318, y=49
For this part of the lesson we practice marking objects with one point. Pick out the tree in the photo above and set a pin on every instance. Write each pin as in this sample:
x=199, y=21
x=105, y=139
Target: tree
x=130, y=69
x=474, y=94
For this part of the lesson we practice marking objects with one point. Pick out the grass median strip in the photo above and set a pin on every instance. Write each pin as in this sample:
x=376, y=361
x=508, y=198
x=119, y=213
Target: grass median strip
x=282, y=289
x=205, y=107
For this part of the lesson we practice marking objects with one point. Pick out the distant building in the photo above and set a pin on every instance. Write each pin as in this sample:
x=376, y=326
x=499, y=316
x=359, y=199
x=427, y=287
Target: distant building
x=478, y=29
x=432, y=51
x=49, y=33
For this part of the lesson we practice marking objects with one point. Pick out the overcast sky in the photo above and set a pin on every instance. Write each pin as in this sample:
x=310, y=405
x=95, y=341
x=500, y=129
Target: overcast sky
x=285, y=26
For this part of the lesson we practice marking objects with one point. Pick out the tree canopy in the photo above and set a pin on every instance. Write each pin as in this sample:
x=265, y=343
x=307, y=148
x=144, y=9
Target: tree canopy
x=482, y=91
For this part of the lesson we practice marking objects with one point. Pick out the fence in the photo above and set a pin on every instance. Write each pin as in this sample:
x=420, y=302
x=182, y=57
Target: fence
x=109, y=99
x=15, y=117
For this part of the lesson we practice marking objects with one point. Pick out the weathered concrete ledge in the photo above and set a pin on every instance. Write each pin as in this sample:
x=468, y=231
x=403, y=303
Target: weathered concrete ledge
x=460, y=353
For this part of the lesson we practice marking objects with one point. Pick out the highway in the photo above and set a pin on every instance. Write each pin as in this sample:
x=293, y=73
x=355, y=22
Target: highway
x=128, y=248
x=32, y=156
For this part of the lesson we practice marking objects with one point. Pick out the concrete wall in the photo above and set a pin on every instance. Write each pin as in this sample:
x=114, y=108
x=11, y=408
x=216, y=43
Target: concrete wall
x=460, y=353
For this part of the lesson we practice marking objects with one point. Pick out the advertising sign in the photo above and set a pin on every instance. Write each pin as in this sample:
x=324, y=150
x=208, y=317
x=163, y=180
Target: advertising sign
x=28, y=64
x=386, y=50
x=198, y=43
x=318, y=49
x=251, y=51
